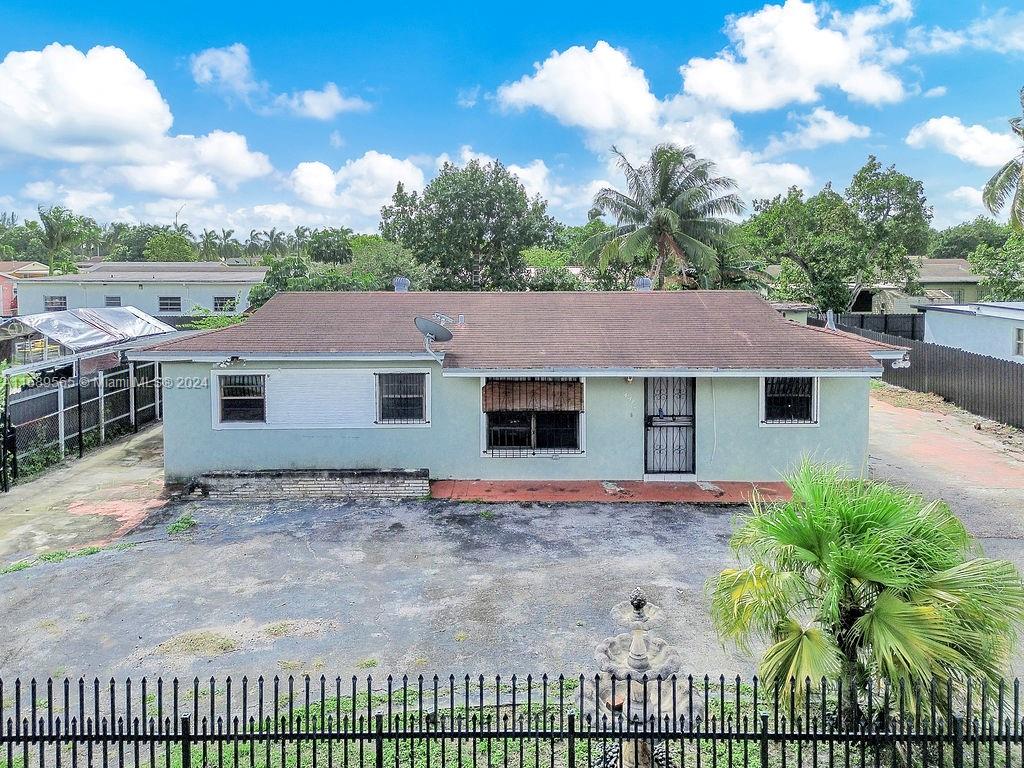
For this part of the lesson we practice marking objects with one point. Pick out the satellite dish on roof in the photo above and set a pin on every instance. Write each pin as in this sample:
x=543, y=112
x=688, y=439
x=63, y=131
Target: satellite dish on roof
x=433, y=331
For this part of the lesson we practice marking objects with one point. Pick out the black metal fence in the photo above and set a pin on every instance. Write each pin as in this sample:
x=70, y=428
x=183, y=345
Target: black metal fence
x=906, y=326
x=986, y=386
x=61, y=417
x=518, y=721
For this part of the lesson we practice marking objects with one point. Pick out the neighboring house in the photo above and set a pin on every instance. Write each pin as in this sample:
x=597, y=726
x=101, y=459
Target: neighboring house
x=993, y=328
x=10, y=273
x=942, y=281
x=702, y=385
x=797, y=311
x=49, y=336
x=167, y=290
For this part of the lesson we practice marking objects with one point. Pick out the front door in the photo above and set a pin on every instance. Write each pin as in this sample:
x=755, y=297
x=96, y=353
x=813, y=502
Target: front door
x=669, y=444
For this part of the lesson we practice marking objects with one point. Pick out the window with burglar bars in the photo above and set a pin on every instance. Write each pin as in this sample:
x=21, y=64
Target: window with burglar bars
x=243, y=398
x=224, y=303
x=55, y=303
x=789, y=400
x=169, y=303
x=401, y=398
x=530, y=416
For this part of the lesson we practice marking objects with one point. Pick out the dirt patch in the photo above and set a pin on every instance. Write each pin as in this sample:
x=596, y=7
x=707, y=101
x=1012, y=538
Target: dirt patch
x=1010, y=437
x=246, y=635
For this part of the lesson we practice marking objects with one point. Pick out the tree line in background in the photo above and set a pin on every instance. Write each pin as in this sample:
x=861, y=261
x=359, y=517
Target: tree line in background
x=474, y=227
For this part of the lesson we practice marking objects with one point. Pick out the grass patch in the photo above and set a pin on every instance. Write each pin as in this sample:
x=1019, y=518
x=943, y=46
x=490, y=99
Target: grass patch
x=186, y=521
x=486, y=514
x=60, y=555
x=280, y=629
x=367, y=664
x=199, y=643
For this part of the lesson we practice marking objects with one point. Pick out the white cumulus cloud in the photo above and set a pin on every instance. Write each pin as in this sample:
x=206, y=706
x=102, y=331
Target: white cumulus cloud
x=359, y=187
x=788, y=53
x=821, y=126
x=973, y=144
x=228, y=70
x=325, y=104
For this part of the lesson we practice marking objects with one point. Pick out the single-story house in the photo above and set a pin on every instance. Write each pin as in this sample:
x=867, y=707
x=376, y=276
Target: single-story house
x=10, y=273
x=993, y=328
x=638, y=385
x=167, y=290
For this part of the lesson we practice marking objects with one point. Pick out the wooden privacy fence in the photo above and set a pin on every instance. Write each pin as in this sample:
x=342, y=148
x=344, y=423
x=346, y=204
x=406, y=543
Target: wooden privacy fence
x=906, y=326
x=984, y=385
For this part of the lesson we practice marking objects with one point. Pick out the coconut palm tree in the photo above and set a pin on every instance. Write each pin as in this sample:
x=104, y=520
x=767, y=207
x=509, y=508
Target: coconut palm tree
x=275, y=242
x=672, y=211
x=865, y=581
x=62, y=231
x=1007, y=184
x=732, y=268
x=254, y=245
x=208, y=245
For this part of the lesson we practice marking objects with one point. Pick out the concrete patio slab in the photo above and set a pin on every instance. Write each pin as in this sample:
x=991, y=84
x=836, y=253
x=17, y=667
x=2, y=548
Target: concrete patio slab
x=593, y=491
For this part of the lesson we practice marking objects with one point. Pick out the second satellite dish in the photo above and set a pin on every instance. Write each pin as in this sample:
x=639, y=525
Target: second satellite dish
x=435, y=331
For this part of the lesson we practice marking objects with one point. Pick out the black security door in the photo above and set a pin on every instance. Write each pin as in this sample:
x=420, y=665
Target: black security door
x=669, y=443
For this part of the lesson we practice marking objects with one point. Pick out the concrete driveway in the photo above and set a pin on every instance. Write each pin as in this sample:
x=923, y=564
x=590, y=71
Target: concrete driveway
x=428, y=587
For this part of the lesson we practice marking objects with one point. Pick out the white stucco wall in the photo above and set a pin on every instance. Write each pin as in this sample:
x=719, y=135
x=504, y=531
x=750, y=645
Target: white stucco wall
x=144, y=296
x=731, y=443
x=983, y=334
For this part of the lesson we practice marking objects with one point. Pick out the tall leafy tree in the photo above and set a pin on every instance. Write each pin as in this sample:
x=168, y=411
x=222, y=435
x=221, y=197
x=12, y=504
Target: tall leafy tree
x=845, y=242
x=470, y=226
x=331, y=245
x=866, y=581
x=1007, y=184
x=961, y=240
x=170, y=246
x=1001, y=269
x=671, y=213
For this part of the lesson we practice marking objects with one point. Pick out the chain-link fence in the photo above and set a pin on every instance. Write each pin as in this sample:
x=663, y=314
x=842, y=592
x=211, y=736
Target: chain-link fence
x=61, y=417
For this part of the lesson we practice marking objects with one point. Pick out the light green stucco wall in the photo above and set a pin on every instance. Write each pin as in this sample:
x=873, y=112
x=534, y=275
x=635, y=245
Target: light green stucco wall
x=450, y=446
x=144, y=296
x=732, y=444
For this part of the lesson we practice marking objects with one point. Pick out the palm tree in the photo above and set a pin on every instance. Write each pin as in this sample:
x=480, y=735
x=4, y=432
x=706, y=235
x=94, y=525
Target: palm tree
x=672, y=211
x=1008, y=182
x=208, y=245
x=228, y=245
x=62, y=231
x=275, y=242
x=866, y=581
x=254, y=246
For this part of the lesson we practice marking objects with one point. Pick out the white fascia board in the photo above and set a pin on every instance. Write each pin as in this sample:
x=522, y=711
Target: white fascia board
x=889, y=354
x=596, y=373
x=219, y=357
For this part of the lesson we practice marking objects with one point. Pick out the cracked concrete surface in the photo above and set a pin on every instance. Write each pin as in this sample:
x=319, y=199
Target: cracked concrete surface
x=426, y=587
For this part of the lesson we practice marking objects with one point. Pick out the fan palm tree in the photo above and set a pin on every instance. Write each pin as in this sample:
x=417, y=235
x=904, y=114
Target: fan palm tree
x=865, y=581
x=671, y=211
x=1007, y=184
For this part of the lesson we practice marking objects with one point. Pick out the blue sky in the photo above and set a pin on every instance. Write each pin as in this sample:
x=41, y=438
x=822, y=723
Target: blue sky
x=246, y=116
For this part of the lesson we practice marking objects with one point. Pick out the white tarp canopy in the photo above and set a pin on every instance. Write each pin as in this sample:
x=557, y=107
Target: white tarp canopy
x=78, y=330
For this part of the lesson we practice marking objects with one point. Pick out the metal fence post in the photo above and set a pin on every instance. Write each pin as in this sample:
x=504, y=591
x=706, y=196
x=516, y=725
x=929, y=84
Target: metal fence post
x=186, y=743
x=61, y=426
x=81, y=433
x=378, y=741
x=958, y=741
x=131, y=397
x=764, y=741
x=101, y=380
x=572, y=740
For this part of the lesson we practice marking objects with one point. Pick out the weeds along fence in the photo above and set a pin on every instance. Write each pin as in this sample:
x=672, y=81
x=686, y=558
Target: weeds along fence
x=67, y=416
x=986, y=386
x=517, y=721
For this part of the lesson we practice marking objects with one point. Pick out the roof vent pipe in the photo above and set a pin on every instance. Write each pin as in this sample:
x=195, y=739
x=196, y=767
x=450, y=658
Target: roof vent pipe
x=643, y=284
x=401, y=284
x=830, y=320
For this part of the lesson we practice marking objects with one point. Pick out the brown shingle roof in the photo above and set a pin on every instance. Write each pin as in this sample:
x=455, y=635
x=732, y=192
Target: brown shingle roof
x=946, y=271
x=554, y=331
